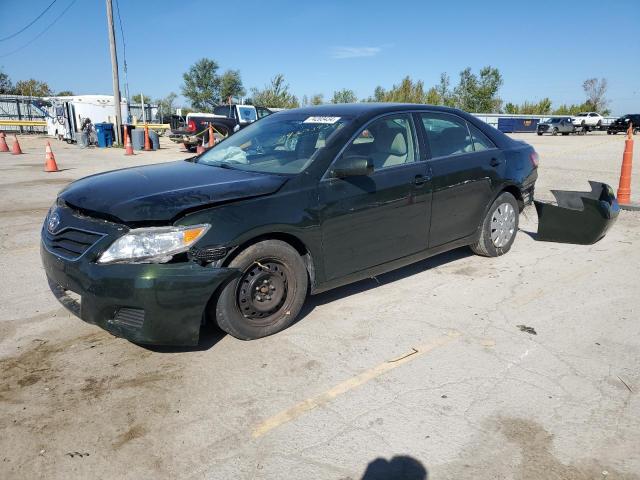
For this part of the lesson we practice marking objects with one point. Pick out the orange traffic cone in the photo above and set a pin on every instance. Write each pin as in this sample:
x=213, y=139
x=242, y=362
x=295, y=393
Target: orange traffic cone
x=212, y=138
x=3, y=143
x=624, y=187
x=128, y=148
x=50, y=164
x=16, y=150
x=147, y=141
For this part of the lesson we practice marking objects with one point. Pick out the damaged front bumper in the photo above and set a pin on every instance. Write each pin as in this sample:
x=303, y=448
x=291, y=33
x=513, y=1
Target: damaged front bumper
x=581, y=218
x=160, y=304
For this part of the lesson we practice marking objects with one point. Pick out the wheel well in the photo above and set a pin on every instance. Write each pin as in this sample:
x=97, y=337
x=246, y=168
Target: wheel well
x=292, y=240
x=515, y=191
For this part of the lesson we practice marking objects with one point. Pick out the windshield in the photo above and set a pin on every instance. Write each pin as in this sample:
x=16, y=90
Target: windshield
x=247, y=114
x=283, y=143
x=582, y=115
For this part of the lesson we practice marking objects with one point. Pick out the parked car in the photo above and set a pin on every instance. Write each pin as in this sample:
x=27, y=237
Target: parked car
x=225, y=119
x=556, y=125
x=588, y=119
x=622, y=124
x=304, y=200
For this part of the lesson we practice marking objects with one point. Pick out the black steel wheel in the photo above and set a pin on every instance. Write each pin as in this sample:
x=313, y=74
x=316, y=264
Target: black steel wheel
x=268, y=294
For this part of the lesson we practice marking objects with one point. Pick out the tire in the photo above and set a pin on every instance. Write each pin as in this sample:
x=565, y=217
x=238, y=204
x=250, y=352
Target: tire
x=608, y=132
x=486, y=246
x=565, y=134
x=191, y=148
x=599, y=125
x=554, y=132
x=539, y=134
x=268, y=266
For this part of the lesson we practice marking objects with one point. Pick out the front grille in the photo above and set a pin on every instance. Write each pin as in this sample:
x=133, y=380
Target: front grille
x=70, y=243
x=129, y=317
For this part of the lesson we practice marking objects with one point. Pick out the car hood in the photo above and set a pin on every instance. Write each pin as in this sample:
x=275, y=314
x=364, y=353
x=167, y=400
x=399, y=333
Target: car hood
x=156, y=194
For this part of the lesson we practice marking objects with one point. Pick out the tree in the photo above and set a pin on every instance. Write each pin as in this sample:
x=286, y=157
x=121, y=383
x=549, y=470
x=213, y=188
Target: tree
x=275, y=95
x=479, y=93
x=445, y=96
x=317, y=99
x=32, y=87
x=595, y=90
x=511, y=108
x=138, y=97
x=65, y=93
x=433, y=97
x=6, y=86
x=543, y=107
x=231, y=85
x=407, y=91
x=165, y=105
x=344, y=96
x=202, y=84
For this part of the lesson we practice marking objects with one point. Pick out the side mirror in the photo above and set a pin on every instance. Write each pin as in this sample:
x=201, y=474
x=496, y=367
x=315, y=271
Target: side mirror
x=352, y=166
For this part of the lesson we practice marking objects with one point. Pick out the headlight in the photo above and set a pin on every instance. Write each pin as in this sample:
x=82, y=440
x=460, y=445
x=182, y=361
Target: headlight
x=153, y=245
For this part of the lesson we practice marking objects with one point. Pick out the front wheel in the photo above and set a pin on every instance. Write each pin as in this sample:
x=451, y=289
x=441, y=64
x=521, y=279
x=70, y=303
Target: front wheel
x=499, y=227
x=554, y=132
x=269, y=293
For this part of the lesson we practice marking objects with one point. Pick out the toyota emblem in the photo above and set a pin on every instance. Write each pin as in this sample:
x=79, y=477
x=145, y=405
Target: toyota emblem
x=53, y=222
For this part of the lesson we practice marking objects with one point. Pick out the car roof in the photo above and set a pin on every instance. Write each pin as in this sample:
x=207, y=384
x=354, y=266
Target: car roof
x=366, y=108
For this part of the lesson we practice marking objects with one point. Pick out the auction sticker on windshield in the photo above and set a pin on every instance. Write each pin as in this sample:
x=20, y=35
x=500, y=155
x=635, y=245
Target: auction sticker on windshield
x=329, y=120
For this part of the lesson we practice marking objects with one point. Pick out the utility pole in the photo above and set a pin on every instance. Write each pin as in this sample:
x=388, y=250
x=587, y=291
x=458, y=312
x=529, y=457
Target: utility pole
x=114, y=70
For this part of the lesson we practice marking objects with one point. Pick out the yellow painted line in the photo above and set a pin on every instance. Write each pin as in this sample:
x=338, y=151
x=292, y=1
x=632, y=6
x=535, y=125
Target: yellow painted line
x=23, y=123
x=354, y=382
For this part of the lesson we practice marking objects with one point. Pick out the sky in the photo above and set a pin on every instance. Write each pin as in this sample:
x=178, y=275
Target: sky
x=542, y=48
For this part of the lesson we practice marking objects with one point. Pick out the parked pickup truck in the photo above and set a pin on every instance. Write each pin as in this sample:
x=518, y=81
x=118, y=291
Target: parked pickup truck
x=225, y=119
x=588, y=119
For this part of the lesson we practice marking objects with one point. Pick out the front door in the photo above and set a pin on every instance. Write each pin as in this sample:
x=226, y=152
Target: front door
x=371, y=220
x=465, y=165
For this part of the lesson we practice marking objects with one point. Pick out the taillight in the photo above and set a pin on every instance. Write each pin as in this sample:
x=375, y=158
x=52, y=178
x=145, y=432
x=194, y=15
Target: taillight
x=191, y=126
x=535, y=158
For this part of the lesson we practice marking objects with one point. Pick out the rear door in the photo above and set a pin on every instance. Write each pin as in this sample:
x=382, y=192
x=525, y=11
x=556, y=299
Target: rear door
x=466, y=167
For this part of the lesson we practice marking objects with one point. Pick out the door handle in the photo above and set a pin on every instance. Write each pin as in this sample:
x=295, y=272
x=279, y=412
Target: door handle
x=420, y=180
x=494, y=162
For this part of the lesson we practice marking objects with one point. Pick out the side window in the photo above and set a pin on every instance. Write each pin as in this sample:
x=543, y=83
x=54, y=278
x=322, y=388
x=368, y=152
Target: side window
x=480, y=140
x=388, y=142
x=447, y=134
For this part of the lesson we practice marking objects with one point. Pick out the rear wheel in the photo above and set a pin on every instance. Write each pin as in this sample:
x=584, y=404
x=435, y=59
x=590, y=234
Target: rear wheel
x=554, y=131
x=499, y=227
x=269, y=293
x=540, y=133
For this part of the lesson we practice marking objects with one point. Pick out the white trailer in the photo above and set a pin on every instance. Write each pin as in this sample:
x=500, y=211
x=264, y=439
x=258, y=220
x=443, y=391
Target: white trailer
x=65, y=115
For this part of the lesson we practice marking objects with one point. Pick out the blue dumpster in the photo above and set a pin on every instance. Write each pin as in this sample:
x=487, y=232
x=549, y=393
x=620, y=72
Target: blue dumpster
x=105, y=134
x=510, y=124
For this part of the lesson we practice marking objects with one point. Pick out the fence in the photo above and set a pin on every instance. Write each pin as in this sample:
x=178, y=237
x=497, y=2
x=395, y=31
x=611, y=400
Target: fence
x=15, y=107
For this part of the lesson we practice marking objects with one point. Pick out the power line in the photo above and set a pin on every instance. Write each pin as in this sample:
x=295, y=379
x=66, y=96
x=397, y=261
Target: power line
x=34, y=21
x=41, y=33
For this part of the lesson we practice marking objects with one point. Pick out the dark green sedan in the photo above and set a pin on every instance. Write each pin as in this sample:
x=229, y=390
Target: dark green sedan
x=297, y=203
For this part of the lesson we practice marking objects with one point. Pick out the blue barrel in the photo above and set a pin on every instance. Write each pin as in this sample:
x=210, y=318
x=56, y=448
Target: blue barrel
x=105, y=134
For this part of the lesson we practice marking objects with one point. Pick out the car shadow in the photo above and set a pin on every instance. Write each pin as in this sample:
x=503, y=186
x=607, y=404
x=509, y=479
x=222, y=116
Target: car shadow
x=400, y=467
x=314, y=301
x=210, y=334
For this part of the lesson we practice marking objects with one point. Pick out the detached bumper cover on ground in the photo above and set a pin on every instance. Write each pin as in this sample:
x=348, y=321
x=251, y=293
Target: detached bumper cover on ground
x=579, y=217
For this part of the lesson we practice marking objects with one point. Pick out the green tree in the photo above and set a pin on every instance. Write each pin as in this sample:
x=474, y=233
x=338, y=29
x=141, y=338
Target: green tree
x=479, y=93
x=344, y=96
x=275, y=95
x=6, y=86
x=202, y=84
x=32, y=87
x=317, y=99
x=138, y=97
x=433, y=97
x=407, y=91
x=511, y=108
x=231, y=85
x=444, y=91
x=65, y=93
